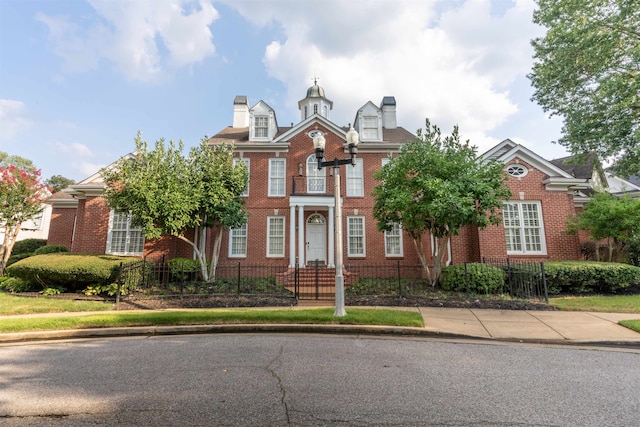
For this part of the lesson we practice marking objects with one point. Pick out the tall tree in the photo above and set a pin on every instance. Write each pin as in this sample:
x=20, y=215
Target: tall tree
x=21, y=196
x=19, y=162
x=587, y=70
x=438, y=185
x=607, y=217
x=168, y=194
x=58, y=182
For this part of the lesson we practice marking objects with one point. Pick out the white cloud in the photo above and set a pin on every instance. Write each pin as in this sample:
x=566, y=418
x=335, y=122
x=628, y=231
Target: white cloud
x=75, y=149
x=451, y=62
x=13, y=118
x=87, y=169
x=142, y=38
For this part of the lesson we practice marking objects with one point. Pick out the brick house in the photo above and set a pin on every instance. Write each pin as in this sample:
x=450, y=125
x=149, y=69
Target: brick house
x=291, y=202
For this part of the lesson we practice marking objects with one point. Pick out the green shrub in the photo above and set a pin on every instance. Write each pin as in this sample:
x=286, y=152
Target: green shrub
x=54, y=290
x=479, y=278
x=581, y=277
x=13, y=284
x=27, y=246
x=50, y=249
x=72, y=271
x=15, y=258
x=184, y=269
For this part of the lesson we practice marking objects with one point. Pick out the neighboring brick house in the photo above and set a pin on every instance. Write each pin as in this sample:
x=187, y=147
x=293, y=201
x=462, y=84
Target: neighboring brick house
x=291, y=203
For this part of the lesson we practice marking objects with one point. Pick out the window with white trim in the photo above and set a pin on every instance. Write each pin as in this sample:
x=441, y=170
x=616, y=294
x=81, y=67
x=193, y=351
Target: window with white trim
x=355, y=179
x=523, y=228
x=237, y=160
x=356, y=237
x=122, y=237
x=370, y=128
x=275, y=236
x=316, y=178
x=261, y=126
x=393, y=241
x=238, y=241
x=277, y=168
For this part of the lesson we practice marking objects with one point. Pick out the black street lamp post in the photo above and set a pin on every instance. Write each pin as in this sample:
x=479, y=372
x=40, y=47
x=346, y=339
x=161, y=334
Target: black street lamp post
x=319, y=144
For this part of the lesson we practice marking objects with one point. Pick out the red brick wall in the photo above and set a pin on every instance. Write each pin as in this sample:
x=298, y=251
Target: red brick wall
x=556, y=207
x=61, y=226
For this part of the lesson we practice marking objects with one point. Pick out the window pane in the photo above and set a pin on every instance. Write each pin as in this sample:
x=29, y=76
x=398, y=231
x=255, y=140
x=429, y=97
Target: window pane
x=523, y=227
x=393, y=241
x=316, y=178
x=276, y=177
x=276, y=236
x=239, y=241
x=356, y=235
x=262, y=126
x=355, y=181
x=124, y=239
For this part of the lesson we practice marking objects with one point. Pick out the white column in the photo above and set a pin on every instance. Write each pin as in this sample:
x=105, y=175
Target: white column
x=292, y=236
x=301, y=243
x=331, y=261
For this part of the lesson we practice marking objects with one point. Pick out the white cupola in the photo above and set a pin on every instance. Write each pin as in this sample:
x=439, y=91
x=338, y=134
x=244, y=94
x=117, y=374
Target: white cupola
x=315, y=102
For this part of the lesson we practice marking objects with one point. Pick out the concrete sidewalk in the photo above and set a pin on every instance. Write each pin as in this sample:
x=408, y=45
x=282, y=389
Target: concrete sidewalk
x=554, y=327
x=532, y=326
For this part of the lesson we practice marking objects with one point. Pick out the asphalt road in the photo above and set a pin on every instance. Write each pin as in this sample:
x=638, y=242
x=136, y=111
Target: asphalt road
x=313, y=380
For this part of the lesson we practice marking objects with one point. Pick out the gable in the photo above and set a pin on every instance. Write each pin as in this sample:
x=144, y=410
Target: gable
x=263, y=125
x=368, y=122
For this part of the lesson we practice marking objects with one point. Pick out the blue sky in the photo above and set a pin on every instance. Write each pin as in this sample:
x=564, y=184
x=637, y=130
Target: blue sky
x=78, y=79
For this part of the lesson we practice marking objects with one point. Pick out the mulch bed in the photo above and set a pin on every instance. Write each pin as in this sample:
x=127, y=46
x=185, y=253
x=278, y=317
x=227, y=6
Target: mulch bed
x=264, y=301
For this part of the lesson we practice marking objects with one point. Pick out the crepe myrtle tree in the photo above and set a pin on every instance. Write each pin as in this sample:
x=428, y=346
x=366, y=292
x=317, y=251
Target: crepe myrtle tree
x=21, y=197
x=436, y=186
x=167, y=193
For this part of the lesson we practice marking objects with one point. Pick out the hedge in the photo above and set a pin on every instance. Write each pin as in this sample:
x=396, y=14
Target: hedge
x=27, y=246
x=580, y=277
x=72, y=271
x=479, y=278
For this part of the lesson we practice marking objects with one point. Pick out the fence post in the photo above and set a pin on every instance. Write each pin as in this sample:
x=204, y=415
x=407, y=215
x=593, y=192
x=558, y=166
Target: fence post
x=119, y=284
x=511, y=292
x=317, y=280
x=144, y=272
x=238, y=277
x=296, y=279
x=399, y=281
x=466, y=279
x=544, y=282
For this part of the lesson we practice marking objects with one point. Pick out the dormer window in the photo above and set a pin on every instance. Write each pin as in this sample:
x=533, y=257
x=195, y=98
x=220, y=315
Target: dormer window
x=369, y=129
x=261, y=126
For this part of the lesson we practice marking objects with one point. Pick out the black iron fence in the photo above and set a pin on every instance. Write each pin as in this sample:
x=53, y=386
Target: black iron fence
x=146, y=278
x=518, y=279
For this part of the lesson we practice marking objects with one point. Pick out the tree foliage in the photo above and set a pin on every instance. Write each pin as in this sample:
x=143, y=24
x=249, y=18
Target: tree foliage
x=58, y=182
x=610, y=218
x=168, y=193
x=438, y=185
x=21, y=197
x=587, y=70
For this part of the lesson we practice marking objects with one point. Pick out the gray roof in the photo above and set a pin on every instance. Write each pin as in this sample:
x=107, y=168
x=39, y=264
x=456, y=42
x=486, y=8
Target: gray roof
x=583, y=169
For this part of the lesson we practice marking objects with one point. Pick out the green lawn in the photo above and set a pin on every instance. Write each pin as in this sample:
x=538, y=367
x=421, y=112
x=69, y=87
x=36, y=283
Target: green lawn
x=611, y=304
x=631, y=324
x=10, y=304
x=355, y=316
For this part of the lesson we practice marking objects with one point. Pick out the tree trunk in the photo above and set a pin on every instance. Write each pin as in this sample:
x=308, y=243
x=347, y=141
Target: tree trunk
x=417, y=243
x=216, y=254
x=440, y=247
x=10, y=236
x=200, y=256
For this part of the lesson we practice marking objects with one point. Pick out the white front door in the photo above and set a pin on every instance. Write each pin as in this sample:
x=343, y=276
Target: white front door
x=316, y=239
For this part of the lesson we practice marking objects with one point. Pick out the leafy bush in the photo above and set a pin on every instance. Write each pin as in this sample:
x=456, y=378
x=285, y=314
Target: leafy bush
x=184, y=269
x=15, y=258
x=72, y=271
x=13, y=284
x=580, y=277
x=53, y=290
x=50, y=249
x=479, y=278
x=27, y=246
x=110, y=289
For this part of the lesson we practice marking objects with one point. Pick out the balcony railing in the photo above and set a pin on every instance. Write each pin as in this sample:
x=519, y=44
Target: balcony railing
x=311, y=185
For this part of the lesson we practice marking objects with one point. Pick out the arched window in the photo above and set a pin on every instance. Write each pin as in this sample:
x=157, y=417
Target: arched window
x=316, y=178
